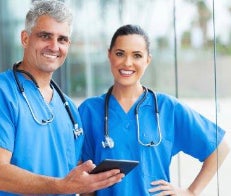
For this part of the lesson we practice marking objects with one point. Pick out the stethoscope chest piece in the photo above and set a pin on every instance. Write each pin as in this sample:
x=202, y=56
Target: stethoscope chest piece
x=108, y=142
x=77, y=131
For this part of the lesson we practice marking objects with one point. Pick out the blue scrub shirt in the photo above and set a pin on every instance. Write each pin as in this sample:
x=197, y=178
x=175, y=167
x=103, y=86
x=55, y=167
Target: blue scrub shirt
x=182, y=128
x=50, y=149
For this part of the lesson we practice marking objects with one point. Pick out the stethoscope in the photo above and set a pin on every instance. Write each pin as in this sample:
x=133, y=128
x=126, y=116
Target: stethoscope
x=77, y=131
x=108, y=141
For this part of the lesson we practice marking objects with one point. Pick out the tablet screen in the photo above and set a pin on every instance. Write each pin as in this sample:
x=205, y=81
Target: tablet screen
x=125, y=166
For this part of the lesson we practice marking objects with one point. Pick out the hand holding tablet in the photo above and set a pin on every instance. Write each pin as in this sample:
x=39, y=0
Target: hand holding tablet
x=125, y=166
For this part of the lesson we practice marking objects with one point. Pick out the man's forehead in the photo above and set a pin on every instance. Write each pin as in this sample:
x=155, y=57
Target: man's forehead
x=50, y=25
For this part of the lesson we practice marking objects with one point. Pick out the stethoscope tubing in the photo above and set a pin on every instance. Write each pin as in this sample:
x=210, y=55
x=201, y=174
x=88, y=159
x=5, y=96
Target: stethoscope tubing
x=76, y=130
x=108, y=142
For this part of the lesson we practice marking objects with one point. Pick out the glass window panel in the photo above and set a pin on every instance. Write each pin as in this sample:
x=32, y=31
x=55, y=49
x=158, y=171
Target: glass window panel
x=12, y=14
x=88, y=72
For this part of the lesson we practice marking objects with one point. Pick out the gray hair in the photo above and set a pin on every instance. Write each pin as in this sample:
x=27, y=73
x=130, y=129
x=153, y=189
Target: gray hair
x=53, y=8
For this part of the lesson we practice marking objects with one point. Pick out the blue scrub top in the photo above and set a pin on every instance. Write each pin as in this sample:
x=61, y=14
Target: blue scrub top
x=182, y=128
x=50, y=149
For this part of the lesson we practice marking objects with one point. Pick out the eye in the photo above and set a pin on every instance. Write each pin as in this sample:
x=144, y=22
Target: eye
x=138, y=56
x=63, y=40
x=44, y=36
x=119, y=53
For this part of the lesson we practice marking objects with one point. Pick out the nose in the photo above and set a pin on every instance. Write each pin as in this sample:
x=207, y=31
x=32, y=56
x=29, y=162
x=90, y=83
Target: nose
x=54, y=45
x=128, y=61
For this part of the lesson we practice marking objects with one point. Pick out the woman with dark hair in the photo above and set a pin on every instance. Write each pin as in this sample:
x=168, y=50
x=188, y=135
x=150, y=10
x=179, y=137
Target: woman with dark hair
x=132, y=122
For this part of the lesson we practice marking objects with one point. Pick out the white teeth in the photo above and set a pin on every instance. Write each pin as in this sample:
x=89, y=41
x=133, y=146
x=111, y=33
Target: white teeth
x=127, y=72
x=50, y=56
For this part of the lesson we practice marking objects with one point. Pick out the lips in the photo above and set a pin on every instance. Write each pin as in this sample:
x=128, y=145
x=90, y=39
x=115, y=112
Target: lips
x=126, y=72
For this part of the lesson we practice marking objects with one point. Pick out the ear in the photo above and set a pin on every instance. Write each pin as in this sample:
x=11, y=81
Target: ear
x=149, y=59
x=24, y=38
x=69, y=42
x=108, y=53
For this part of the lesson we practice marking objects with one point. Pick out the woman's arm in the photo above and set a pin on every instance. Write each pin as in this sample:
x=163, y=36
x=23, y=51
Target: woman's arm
x=210, y=167
x=207, y=172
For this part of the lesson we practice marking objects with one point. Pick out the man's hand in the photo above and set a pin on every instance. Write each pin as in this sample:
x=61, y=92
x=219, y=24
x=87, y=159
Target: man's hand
x=80, y=181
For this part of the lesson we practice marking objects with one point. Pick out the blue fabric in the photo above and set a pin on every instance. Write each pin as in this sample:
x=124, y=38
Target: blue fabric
x=50, y=149
x=183, y=129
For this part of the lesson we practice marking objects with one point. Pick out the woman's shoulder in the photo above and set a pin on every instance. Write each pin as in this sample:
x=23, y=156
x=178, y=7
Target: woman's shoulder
x=164, y=97
x=93, y=101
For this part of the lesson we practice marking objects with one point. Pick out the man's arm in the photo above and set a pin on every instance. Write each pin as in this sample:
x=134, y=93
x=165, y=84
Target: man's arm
x=17, y=180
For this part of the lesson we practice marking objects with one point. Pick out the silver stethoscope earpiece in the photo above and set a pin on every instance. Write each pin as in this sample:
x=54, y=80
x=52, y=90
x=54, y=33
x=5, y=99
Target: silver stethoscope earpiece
x=108, y=141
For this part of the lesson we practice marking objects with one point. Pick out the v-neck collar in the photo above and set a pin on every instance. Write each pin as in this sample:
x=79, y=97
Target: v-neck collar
x=116, y=106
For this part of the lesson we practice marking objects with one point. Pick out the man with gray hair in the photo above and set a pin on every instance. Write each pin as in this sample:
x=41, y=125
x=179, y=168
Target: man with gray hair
x=40, y=129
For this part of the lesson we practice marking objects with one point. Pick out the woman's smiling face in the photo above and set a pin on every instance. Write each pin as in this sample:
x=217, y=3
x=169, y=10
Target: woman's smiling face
x=129, y=59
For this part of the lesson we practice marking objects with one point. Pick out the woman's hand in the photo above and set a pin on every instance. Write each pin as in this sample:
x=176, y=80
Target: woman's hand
x=162, y=187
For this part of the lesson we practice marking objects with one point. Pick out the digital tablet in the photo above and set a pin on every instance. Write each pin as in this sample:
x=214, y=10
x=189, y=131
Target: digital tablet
x=125, y=166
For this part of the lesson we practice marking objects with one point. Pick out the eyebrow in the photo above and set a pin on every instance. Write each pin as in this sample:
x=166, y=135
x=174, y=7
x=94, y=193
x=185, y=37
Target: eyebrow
x=43, y=33
x=132, y=52
x=51, y=34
